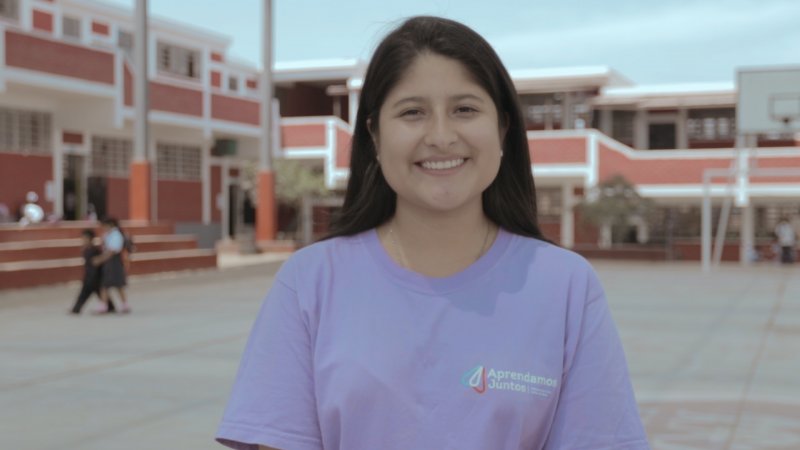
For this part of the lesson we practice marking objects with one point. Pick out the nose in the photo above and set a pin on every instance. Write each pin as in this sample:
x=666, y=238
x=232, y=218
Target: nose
x=440, y=133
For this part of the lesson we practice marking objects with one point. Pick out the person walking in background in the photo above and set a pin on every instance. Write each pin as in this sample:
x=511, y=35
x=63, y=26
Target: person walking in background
x=113, y=267
x=787, y=239
x=92, y=275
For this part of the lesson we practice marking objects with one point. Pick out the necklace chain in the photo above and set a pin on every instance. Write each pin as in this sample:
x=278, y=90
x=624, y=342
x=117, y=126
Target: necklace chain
x=402, y=255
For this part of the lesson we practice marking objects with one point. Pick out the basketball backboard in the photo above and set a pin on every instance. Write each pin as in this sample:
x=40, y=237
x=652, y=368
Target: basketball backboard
x=768, y=100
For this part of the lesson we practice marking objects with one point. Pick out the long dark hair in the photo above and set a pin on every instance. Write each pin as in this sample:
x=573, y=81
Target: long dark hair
x=510, y=201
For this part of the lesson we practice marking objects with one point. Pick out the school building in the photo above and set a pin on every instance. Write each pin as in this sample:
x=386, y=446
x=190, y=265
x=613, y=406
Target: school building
x=66, y=133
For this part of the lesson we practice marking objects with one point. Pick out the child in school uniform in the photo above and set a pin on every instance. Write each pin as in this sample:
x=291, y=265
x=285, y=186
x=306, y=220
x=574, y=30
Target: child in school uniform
x=92, y=275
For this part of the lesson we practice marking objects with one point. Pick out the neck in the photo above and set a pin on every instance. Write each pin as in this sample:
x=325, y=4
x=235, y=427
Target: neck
x=437, y=244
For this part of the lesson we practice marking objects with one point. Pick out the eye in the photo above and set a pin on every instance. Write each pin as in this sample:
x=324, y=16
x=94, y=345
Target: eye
x=466, y=110
x=411, y=113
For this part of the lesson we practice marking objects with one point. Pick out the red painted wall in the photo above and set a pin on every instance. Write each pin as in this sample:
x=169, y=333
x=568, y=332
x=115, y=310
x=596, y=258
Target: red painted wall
x=68, y=137
x=99, y=28
x=342, y=148
x=128, y=88
x=767, y=163
x=655, y=171
x=216, y=78
x=180, y=201
x=117, y=198
x=235, y=109
x=559, y=151
x=42, y=21
x=29, y=52
x=20, y=174
x=164, y=97
x=303, y=135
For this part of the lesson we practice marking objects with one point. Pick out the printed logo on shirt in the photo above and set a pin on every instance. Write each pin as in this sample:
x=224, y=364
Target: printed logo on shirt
x=480, y=380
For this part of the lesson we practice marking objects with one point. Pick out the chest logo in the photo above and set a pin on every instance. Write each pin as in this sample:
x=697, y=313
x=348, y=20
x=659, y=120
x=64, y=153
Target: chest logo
x=480, y=379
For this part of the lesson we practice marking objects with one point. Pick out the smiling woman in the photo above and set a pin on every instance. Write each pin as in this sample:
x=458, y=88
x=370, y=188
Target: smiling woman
x=436, y=315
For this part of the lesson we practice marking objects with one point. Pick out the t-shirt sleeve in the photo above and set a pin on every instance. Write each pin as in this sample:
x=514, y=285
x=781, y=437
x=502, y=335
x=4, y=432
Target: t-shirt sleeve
x=596, y=408
x=114, y=241
x=273, y=402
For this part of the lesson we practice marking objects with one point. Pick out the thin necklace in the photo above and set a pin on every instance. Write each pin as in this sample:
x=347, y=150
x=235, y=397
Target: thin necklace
x=402, y=254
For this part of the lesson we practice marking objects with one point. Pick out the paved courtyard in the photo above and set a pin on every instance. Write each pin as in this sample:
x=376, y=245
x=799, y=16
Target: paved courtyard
x=714, y=358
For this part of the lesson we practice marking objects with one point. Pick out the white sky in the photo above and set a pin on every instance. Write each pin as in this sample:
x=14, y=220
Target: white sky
x=650, y=42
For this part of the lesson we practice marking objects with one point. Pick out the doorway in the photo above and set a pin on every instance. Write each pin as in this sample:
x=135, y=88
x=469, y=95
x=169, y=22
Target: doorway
x=74, y=192
x=97, y=197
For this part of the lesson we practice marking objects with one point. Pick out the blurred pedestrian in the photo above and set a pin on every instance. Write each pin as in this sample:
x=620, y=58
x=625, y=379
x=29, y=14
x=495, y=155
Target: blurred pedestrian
x=111, y=261
x=92, y=275
x=787, y=239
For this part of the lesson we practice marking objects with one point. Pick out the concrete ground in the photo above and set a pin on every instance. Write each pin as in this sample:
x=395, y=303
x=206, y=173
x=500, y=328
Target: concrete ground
x=714, y=358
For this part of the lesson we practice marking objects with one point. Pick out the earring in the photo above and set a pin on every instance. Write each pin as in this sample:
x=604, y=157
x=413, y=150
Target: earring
x=501, y=153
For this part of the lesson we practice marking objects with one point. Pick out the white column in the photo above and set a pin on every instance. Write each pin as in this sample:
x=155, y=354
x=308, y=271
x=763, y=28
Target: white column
x=58, y=172
x=152, y=150
x=640, y=130
x=567, y=216
x=2, y=58
x=205, y=175
x=606, y=121
x=265, y=144
x=25, y=14
x=223, y=192
x=140, y=83
x=680, y=129
x=705, y=230
x=567, y=119
x=746, y=235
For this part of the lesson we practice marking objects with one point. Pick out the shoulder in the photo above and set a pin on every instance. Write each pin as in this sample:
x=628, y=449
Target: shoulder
x=545, y=256
x=550, y=268
x=321, y=258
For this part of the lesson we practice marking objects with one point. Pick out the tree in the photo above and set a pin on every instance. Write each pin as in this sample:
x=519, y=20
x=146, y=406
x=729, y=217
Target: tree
x=612, y=205
x=294, y=180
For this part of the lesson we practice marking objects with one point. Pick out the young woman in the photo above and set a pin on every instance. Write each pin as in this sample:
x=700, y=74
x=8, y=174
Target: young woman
x=436, y=316
x=113, y=267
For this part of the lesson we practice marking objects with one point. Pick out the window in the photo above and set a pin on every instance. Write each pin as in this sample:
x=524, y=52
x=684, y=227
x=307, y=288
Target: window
x=711, y=124
x=542, y=111
x=25, y=131
x=178, y=162
x=233, y=84
x=71, y=27
x=111, y=157
x=9, y=9
x=178, y=60
x=622, y=126
x=125, y=41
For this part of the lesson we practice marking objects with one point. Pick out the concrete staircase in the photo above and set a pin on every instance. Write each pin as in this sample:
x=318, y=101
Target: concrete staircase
x=51, y=253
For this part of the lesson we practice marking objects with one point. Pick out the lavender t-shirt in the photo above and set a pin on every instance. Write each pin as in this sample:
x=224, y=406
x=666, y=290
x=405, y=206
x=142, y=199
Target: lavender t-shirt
x=351, y=351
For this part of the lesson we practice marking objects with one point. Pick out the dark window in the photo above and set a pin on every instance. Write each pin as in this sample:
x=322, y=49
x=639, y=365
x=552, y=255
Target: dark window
x=662, y=136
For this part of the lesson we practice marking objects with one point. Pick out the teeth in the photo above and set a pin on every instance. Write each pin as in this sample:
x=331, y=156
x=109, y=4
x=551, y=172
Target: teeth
x=442, y=165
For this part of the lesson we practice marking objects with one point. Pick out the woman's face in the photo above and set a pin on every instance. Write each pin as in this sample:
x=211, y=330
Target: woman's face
x=438, y=139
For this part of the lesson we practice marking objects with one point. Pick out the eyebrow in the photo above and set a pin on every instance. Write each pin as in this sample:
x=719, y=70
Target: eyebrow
x=418, y=99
